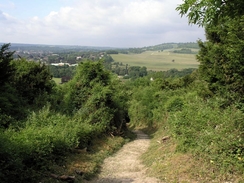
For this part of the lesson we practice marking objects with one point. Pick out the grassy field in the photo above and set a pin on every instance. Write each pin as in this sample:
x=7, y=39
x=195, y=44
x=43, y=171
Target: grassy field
x=57, y=80
x=158, y=61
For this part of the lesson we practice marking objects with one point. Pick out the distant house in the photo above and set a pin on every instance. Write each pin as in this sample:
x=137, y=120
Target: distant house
x=101, y=55
x=65, y=79
x=55, y=64
x=73, y=65
x=60, y=64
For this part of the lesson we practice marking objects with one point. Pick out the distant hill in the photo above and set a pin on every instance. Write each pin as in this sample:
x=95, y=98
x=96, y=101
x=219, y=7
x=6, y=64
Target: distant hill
x=75, y=48
x=162, y=47
x=54, y=48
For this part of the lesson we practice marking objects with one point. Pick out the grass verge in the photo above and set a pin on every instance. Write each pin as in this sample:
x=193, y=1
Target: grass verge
x=171, y=166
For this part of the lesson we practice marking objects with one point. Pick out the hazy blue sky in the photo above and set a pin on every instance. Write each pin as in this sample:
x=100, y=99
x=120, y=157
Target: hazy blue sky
x=118, y=23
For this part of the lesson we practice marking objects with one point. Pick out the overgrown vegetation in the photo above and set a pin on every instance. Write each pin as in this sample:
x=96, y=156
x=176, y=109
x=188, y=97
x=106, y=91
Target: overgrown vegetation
x=201, y=114
x=200, y=111
x=42, y=122
x=200, y=129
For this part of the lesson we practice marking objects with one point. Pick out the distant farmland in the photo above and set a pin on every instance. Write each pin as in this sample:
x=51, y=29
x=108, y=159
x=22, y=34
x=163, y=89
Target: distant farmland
x=158, y=61
x=57, y=80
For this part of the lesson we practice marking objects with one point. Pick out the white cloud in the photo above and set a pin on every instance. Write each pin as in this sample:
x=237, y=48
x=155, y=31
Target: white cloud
x=103, y=23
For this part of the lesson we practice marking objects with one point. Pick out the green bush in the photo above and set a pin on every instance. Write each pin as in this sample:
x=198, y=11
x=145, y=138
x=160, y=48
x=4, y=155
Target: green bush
x=90, y=105
x=46, y=137
x=206, y=130
x=174, y=104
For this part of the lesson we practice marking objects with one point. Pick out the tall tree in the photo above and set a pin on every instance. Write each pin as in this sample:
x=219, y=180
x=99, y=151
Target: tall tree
x=87, y=76
x=205, y=12
x=6, y=69
x=97, y=96
x=9, y=101
x=32, y=80
x=221, y=57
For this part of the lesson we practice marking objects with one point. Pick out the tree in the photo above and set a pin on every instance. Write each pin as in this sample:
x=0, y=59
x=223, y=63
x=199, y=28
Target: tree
x=205, y=12
x=221, y=57
x=9, y=101
x=108, y=59
x=96, y=96
x=88, y=74
x=112, y=52
x=6, y=69
x=143, y=71
x=60, y=71
x=32, y=80
x=137, y=71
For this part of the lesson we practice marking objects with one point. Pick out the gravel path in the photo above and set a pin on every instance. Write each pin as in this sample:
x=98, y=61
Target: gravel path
x=125, y=166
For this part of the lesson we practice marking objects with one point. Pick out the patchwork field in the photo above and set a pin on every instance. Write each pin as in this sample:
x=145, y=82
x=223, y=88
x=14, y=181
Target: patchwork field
x=158, y=61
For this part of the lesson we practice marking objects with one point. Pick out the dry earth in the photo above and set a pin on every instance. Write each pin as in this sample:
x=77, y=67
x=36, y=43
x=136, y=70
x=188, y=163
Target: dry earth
x=125, y=166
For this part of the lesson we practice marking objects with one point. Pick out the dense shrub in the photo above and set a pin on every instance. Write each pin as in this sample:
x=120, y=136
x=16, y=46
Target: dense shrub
x=90, y=105
x=45, y=138
x=175, y=103
x=200, y=123
x=33, y=82
x=97, y=95
x=207, y=130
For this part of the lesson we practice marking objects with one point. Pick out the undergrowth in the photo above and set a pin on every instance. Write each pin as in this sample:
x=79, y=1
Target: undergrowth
x=47, y=137
x=205, y=144
x=87, y=161
x=206, y=136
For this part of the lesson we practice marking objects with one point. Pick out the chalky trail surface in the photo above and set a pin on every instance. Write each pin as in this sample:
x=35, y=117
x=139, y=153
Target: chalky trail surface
x=125, y=166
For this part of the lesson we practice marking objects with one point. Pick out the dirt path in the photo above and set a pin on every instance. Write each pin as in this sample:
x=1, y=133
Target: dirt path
x=125, y=166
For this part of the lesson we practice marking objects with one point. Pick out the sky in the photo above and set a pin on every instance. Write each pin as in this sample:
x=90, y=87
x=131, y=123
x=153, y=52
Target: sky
x=112, y=23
